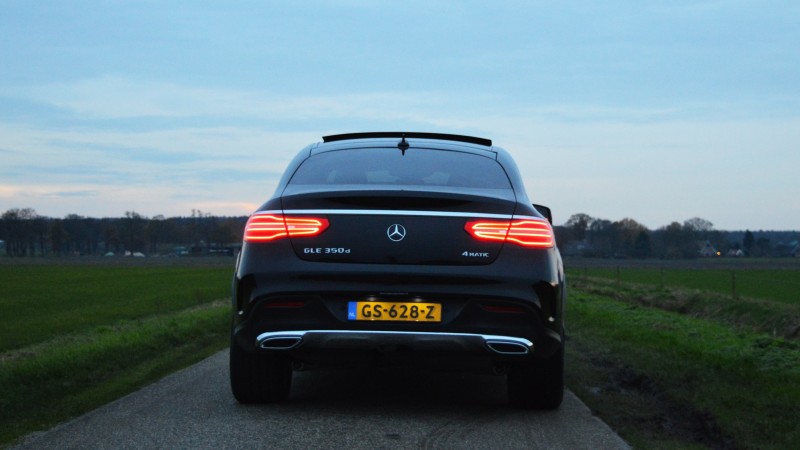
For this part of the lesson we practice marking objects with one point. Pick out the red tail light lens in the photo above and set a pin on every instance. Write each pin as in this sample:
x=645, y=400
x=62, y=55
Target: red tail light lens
x=269, y=227
x=535, y=233
x=488, y=230
x=531, y=233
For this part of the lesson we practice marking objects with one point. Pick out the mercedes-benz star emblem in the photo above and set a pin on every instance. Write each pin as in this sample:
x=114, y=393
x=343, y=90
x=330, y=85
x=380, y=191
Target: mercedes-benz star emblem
x=396, y=232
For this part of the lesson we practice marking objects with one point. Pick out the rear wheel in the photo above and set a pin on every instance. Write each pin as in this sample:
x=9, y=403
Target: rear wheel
x=259, y=377
x=539, y=385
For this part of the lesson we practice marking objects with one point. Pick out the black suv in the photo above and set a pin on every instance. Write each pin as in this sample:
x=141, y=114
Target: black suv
x=400, y=247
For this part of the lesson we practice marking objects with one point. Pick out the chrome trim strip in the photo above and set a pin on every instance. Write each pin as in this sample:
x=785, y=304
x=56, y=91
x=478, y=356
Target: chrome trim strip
x=487, y=338
x=390, y=212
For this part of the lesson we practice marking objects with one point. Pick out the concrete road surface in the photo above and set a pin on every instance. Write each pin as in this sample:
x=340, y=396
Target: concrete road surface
x=350, y=409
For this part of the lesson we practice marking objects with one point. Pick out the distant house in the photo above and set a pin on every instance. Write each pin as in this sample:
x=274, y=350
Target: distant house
x=708, y=250
x=737, y=252
x=791, y=249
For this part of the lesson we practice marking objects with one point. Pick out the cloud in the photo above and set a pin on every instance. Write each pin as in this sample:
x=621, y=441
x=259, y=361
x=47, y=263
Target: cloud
x=36, y=189
x=120, y=101
x=100, y=172
x=114, y=97
x=652, y=164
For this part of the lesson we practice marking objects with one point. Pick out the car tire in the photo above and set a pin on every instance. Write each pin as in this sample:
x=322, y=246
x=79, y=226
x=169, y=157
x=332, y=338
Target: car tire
x=539, y=385
x=259, y=377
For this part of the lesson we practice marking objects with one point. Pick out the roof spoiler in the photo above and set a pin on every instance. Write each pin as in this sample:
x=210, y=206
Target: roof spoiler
x=409, y=134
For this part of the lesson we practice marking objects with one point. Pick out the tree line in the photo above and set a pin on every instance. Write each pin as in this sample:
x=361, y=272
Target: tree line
x=583, y=235
x=25, y=233
x=28, y=234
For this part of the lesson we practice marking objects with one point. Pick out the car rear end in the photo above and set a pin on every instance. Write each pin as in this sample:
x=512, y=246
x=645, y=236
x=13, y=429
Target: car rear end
x=413, y=250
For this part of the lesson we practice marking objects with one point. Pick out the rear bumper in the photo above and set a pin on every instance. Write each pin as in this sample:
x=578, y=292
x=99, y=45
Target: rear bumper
x=506, y=312
x=377, y=340
x=438, y=350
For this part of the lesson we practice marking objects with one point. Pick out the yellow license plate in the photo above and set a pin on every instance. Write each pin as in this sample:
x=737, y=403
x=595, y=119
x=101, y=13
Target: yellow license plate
x=395, y=311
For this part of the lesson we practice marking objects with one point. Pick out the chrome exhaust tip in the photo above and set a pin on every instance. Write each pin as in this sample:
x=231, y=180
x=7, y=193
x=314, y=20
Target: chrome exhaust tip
x=280, y=342
x=503, y=347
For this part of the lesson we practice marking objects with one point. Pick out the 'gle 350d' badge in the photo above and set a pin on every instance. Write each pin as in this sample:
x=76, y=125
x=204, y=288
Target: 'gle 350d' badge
x=396, y=232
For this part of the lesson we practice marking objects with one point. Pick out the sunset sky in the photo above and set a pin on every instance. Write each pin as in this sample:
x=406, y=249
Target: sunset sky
x=657, y=111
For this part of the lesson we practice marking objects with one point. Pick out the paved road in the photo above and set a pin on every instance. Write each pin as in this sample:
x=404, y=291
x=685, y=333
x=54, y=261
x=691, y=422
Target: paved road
x=345, y=409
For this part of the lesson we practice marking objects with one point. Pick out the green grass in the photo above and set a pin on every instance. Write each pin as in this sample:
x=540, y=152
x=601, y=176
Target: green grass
x=82, y=335
x=40, y=302
x=782, y=285
x=666, y=379
x=682, y=365
x=746, y=314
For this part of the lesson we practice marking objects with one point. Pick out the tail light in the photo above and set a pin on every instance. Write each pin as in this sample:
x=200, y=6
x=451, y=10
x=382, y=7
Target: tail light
x=269, y=227
x=536, y=233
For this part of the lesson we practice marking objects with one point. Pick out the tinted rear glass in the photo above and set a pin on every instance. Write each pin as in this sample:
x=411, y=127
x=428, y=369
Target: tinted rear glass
x=418, y=167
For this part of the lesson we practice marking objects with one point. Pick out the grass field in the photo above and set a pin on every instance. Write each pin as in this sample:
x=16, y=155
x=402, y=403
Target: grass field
x=670, y=359
x=778, y=284
x=77, y=335
x=684, y=363
x=50, y=301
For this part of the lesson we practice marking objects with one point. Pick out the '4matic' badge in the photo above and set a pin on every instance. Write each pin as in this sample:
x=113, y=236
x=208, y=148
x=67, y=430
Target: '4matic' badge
x=469, y=254
x=396, y=232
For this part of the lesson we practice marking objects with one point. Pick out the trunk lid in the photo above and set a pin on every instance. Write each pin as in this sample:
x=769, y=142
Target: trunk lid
x=397, y=226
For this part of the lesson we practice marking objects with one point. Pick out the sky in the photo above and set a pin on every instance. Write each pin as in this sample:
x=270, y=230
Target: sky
x=651, y=110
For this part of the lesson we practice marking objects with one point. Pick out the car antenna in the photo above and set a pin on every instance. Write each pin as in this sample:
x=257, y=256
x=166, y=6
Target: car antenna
x=403, y=145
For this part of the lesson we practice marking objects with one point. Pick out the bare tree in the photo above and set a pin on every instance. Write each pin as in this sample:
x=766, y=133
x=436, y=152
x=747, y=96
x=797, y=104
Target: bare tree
x=134, y=231
x=20, y=231
x=698, y=224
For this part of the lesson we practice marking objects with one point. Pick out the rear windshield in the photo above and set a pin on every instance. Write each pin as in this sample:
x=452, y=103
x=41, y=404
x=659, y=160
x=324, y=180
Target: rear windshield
x=418, y=167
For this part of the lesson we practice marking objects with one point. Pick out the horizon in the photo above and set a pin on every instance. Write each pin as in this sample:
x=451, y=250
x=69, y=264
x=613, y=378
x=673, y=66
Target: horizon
x=655, y=112
x=207, y=215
